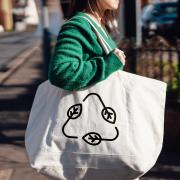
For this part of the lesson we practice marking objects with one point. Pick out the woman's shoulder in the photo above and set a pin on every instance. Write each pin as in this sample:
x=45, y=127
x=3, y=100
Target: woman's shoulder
x=78, y=22
x=79, y=29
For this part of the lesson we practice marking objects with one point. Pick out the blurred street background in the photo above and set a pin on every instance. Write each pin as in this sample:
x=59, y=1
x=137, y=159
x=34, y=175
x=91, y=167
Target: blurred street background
x=149, y=34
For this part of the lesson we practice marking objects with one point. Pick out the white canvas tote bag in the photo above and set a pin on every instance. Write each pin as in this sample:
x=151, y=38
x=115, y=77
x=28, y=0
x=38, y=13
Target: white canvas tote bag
x=112, y=130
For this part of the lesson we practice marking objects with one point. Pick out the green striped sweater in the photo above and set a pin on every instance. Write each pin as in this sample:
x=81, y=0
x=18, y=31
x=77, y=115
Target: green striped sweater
x=78, y=59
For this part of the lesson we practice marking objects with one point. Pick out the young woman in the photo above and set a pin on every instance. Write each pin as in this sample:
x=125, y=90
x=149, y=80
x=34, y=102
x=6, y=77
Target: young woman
x=79, y=60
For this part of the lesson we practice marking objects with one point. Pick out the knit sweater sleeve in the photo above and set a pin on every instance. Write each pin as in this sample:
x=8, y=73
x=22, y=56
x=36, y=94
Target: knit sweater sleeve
x=68, y=69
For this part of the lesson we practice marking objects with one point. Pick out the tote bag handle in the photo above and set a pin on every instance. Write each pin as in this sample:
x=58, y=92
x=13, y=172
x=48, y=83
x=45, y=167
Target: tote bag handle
x=102, y=41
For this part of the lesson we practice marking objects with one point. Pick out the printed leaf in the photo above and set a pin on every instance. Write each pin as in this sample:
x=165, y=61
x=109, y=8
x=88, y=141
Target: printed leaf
x=109, y=115
x=74, y=111
x=92, y=138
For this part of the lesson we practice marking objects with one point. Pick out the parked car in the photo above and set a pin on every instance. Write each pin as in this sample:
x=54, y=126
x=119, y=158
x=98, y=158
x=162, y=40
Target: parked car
x=160, y=19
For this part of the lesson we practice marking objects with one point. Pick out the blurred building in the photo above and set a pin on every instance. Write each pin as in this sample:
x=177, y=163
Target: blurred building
x=25, y=14
x=18, y=15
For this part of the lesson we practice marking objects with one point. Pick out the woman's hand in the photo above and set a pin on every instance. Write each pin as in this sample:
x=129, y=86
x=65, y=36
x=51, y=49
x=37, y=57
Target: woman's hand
x=120, y=54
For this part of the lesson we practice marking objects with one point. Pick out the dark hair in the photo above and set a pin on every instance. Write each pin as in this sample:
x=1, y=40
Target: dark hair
x=108, y=16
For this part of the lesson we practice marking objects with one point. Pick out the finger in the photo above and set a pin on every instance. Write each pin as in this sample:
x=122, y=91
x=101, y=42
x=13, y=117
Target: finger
x=122, y=55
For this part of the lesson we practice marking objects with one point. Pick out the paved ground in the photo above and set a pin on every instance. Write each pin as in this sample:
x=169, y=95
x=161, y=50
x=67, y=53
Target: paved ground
x=12, y=44
x=16, y=96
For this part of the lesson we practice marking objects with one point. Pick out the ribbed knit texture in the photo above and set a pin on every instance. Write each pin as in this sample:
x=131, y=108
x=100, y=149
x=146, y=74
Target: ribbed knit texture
x=78, y=60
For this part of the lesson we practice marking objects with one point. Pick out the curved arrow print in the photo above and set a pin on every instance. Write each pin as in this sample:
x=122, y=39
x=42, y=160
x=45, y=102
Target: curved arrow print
x=73, y=113
x=107, y=113
x=94, y=138
x=91, y=138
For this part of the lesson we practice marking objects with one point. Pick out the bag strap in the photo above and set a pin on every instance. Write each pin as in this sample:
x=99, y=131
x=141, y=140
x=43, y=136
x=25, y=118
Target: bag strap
x=102, y=41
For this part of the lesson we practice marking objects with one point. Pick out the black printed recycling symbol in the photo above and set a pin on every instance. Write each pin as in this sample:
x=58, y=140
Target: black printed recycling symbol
x=92, y=138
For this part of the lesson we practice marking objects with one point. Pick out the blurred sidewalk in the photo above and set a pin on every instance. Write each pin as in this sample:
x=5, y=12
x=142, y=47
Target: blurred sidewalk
x=16, y=95
x=21, y=70
x=13, y=43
